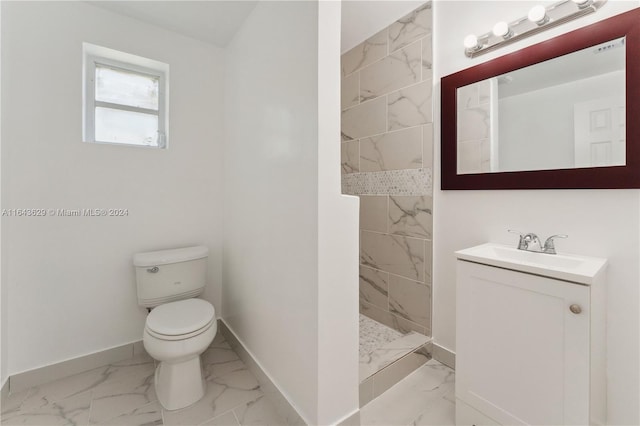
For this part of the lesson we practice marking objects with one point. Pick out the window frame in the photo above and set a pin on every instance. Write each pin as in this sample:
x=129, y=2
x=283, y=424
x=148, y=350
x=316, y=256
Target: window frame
x=90, y=102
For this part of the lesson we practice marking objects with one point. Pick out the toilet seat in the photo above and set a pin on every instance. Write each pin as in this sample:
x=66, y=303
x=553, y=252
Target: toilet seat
x=179, y=336
x=181, y=319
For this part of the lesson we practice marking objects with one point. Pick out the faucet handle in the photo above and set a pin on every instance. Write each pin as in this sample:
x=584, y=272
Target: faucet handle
x=522, y=244
x=549, y=245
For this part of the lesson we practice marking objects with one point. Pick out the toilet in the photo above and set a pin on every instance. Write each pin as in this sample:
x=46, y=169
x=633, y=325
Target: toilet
x=180, y=326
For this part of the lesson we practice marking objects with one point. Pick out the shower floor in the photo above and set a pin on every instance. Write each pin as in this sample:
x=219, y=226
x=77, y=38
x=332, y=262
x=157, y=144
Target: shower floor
x=382, y=346
x=374, y=335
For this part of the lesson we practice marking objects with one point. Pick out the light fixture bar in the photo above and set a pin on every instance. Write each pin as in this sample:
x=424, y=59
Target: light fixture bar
x=556, y=14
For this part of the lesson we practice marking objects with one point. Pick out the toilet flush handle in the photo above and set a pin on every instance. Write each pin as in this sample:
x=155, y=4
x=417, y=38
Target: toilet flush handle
x=153, y=270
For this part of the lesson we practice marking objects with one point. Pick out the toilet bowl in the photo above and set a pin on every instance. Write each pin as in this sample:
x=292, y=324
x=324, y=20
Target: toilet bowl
x=175, y=334
x=180, y=326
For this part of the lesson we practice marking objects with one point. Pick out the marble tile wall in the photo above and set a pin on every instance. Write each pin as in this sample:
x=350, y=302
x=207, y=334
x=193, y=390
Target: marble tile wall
x=474, y=127
x=387, y=145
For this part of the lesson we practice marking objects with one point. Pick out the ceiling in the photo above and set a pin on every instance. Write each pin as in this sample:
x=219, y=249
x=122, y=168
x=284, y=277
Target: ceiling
x=217, y=21
x=211, y=21
x=363, y=18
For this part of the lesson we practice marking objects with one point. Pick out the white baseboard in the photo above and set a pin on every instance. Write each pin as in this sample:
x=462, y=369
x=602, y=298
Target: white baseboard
x=443, y=355
x=284, y=407
x=49, y=373
x=351, y=420
x=4, y=393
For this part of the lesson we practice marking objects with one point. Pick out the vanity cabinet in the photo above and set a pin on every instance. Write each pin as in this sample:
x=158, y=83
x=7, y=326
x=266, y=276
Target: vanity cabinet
x=530, y=349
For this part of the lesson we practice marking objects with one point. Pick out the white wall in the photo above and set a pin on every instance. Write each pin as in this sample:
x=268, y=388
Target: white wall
x=71, y=279
x=599, y=222
x=338, y=223
x=3, y=287
x=282, y=233
x=270, y=282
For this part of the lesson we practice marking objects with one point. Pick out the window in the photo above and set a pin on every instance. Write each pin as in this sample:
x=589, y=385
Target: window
x=124, y=102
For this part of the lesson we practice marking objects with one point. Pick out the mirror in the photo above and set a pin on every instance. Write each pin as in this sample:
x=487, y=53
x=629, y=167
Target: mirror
x=559, y=114
x=553, y=115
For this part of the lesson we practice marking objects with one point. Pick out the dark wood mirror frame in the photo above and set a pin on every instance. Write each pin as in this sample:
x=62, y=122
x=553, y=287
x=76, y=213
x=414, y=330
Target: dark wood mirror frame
x=628, y=176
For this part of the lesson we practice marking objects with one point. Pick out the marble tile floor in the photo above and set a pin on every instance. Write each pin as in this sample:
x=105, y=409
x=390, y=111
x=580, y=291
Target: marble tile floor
x=123, y=394
x=425, y=397
x=381, y=346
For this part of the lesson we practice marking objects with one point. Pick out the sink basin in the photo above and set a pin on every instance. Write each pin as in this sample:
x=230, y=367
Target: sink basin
x=567, y=267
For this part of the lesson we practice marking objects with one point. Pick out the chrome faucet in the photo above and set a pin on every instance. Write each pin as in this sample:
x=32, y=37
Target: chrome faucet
x=531, y=242
x=549, y=245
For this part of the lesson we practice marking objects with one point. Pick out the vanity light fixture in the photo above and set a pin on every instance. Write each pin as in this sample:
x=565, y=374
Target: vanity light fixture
x=538, y=19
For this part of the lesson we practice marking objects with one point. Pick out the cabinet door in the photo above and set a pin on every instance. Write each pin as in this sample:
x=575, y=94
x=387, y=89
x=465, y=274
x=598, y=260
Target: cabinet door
x=522, y=355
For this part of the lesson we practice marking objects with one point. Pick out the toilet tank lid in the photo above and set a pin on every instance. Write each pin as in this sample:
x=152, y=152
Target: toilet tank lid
x=164, y=257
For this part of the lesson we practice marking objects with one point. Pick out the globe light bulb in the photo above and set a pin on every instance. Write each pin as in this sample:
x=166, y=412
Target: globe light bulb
x=471, y=42
x=582, y=3
x=538, y=15
x=501, y=29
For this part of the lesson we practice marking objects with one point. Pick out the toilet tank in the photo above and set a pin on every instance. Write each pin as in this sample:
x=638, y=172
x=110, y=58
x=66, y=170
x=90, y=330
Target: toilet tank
x=167, y=275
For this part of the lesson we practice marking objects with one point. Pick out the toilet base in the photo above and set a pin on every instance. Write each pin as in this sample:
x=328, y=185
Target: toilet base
x=180, y=384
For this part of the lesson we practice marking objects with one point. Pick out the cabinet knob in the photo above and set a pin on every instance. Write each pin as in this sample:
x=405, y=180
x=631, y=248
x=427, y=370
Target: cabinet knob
x=576, y=309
